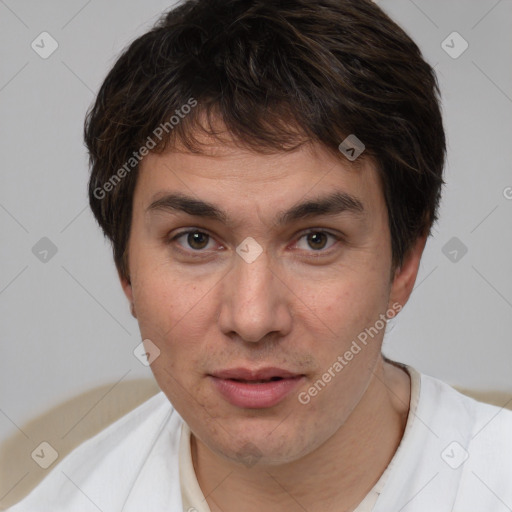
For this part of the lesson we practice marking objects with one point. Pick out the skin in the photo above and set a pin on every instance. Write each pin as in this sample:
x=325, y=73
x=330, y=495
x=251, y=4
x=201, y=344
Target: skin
x=298, y=306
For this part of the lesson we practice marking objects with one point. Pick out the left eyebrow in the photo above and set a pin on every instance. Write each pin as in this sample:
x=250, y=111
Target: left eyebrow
x=332, y=204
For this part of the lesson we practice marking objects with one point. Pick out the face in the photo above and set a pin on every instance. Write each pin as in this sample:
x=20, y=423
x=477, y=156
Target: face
x=253, y=274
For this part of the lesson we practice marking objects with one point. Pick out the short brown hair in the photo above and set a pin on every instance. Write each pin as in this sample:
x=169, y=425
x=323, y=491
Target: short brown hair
x=278, y=74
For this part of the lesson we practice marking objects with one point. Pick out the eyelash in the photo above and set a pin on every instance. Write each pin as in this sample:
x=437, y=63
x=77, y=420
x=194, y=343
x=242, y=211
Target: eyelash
x=199, y=253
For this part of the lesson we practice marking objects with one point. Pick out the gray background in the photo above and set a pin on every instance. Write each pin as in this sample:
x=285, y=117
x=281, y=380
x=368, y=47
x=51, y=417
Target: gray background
x=66, y=326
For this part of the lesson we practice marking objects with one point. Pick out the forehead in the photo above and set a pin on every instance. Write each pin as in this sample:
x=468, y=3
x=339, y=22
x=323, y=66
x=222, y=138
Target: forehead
x=238, y=179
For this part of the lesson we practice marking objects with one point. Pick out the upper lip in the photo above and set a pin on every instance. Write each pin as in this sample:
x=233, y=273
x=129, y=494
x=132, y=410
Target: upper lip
x=254, y=374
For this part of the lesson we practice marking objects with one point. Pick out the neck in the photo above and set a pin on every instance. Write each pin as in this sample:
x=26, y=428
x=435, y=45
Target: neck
x=341, y=471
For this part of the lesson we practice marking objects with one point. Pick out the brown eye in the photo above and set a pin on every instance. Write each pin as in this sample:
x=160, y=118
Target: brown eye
x=197, y=240
x=193, y=240
x=317, y=241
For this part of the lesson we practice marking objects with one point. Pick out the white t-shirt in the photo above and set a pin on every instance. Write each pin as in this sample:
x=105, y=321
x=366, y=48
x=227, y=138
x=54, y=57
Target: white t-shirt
x=455, y=456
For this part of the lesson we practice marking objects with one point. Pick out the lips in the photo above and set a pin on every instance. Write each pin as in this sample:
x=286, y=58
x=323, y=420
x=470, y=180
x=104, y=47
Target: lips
x=255, y=389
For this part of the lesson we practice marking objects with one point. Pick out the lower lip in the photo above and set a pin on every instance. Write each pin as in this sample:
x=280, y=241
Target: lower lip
x=256, y=396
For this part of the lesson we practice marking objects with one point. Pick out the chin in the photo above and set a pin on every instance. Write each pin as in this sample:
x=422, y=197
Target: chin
x=261, y=445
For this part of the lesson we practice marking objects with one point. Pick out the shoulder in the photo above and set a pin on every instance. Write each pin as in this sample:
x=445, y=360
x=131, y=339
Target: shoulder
x=481, y=451
x=476, y=447
x=457, y=412
x=101, y=472
x=455, y=455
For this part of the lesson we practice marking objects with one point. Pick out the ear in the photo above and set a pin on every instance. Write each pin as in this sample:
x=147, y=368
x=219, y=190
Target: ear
x=127, y=289
x=405, y=276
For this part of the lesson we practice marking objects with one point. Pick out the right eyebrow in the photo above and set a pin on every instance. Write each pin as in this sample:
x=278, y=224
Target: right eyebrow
x=188, y=205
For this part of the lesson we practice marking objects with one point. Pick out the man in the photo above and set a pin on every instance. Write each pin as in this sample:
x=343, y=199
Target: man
x=268, y=174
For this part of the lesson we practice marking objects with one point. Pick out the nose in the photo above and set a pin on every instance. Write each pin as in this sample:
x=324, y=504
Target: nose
x=255, y=301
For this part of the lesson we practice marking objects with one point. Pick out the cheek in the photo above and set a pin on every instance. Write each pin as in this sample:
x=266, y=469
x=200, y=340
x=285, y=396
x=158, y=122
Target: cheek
x=348, y=331
x=176, y=312
x=164, y=300
x=346, y=301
